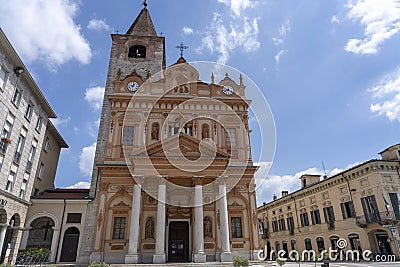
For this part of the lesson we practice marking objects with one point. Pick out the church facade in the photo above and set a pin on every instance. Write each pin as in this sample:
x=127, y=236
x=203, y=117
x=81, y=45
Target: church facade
x=173, y=178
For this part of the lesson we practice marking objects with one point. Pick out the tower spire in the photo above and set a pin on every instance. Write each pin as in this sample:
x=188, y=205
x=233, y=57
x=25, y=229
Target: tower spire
x=143, y=25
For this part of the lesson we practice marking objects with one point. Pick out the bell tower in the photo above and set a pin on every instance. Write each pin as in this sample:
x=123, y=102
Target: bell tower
x=134, y=57
x=140, y=50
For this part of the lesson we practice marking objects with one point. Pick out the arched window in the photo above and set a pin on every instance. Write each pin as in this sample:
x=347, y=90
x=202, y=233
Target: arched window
x=137, y=51
x=177, y=125
x=307, y=243
x=320, y=244
x=277, y=246
x=293, y=244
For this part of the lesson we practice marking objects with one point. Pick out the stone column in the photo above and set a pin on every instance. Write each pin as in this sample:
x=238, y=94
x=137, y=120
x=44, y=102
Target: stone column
x=133, y=256
x=226, y=255
x=54, y=244
x=3, y=230
x=199, y=255
x=160, y=257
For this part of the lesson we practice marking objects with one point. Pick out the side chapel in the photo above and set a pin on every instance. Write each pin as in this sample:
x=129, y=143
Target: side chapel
x=145, y=208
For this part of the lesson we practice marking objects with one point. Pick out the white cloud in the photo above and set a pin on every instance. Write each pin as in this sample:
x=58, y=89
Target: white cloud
x=335, y=19
x=285, y=29
x=79, y=185
x=94, y=96
x=381, y=20
x=45, y=30
x=98, y=24
x=279, y=55
x=388, y=95
x=61, y=122
x=86, y=159
x=223, y=39
x=238, y=6
x=277, y=41
x=187, y=30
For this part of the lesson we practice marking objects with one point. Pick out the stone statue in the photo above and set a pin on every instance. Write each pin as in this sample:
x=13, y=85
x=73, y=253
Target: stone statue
x=205, y=131
x=149, y=231
x=207, y=224
x=155, y=131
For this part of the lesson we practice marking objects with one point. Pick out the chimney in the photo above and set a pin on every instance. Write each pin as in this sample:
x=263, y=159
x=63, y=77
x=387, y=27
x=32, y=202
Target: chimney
x=264, y=203
x=285, y=193
x=275, y=197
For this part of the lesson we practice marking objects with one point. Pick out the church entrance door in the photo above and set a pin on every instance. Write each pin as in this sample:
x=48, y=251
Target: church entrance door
x=178, y=242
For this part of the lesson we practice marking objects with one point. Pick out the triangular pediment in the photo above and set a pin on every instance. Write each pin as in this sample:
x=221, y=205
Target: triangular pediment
x=188, y=146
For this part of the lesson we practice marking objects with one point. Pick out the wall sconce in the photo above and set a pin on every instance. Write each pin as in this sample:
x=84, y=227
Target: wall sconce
x=18, y=71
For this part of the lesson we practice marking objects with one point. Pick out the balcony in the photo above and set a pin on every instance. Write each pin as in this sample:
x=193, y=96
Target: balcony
x=381, y=218
x=331, y=225
x=291, y=231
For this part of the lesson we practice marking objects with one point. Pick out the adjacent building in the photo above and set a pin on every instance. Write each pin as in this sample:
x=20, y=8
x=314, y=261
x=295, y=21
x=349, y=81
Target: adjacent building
x=24, y=118
x=359, y=205
x=145, y=209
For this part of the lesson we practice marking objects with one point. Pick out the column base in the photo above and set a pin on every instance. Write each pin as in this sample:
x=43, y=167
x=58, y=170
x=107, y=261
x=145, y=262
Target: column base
x=95, y=257
x=226, y=257
x=159, y=258
x=132, y=258
x=199, y=257
x=255, y=254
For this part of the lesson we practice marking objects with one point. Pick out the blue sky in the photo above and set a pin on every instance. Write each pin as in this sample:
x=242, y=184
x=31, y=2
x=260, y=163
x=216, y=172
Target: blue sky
x=330, y=70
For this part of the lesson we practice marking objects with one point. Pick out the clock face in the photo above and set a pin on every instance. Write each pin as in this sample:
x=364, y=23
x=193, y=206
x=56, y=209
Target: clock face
x=133, y=86
x=227, y=89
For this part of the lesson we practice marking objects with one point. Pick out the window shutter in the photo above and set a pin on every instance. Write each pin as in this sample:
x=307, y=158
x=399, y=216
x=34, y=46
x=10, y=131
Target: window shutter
x=342, y=207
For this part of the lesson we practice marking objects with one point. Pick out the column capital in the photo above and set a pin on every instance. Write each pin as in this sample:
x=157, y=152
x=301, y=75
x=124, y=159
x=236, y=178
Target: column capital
x=222, y=179
x=198, y=180
x=139, y=179
x=162, y=179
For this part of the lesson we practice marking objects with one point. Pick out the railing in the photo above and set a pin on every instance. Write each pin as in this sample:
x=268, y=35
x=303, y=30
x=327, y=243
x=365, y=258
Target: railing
x=27, y=259
x=381, y=217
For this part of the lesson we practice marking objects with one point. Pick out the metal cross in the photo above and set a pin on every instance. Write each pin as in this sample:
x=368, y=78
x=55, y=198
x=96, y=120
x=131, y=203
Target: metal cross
x=182, y=47
x=145, y=3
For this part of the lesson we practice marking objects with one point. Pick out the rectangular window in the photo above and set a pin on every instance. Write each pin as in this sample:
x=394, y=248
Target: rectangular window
x=23, y=189
x=236, y=227
x=315, y=217
x=74, y=217
x=128, y=135
x=290, y=225
x=395, y=204
x=28, y=112
x=31, y=157
x=46, y=144
x=41, y=171
x=347, y=210
x=3, y=78
x=19, y=149
x=370, y=209
x=275, y=226
x=231, y=137
x=6, y=133
x=38, y=124
x=10, y=181
x=329, y=214
x=282, y=226
x=119, y=228
x=304, y=219
x=16, y=97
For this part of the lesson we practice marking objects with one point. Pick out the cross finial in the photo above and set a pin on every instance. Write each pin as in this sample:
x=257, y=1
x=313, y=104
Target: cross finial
x=182, y=47
x=145, y=3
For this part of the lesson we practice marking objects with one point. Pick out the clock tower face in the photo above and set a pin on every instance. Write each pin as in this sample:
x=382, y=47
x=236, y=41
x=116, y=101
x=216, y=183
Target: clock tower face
x=227, y=89
x=133, y=86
